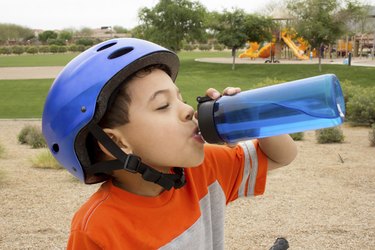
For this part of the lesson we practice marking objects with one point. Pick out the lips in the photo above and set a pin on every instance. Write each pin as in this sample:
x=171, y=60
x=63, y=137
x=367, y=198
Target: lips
x=197, y=135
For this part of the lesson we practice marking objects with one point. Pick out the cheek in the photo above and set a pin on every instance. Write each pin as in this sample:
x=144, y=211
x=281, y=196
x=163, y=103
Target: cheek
x=167, y=143
x=165, y=150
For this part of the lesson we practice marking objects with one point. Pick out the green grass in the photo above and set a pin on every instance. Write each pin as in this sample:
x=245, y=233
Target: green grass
x=36, y=60
x=25, y=98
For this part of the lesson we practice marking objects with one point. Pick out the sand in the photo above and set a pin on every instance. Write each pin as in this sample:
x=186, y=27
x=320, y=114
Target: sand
x=317, y=202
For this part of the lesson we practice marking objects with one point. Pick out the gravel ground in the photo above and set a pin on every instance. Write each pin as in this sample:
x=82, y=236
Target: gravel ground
x=317, y=202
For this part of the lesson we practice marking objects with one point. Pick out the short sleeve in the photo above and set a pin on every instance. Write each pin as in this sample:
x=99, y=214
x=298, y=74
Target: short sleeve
x=241, y=170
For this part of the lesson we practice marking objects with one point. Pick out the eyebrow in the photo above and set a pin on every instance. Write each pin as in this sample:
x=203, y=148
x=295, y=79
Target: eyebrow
x=163, y=91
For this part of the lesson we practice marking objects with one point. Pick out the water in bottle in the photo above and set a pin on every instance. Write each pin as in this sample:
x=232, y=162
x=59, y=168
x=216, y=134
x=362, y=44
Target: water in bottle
x=306, y=104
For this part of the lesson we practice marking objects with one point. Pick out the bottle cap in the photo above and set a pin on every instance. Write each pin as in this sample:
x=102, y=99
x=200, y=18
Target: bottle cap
x=206, y=121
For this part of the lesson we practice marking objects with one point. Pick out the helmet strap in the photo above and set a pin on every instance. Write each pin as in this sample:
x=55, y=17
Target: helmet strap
x=132, y=163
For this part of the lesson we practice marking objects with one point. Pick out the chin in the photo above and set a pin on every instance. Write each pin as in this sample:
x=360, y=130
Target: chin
x=196, y=161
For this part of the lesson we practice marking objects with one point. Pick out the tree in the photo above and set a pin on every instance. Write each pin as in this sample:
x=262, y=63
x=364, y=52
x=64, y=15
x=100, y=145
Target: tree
x=66, y=35
x=320, y=22
x=172, y=21
x=13, y=32
x=234, y=28
x=47, y=35
x=356, y=20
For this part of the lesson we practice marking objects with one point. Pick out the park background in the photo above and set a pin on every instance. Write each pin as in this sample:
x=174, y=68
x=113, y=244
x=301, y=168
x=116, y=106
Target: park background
x=324, y=200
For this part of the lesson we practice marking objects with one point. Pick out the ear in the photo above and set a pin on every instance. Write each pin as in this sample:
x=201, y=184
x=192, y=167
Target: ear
x=118, y=138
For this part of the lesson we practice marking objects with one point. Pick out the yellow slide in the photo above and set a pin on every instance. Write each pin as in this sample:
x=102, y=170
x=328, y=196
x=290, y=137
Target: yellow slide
x=297, y=52
x=253, y=51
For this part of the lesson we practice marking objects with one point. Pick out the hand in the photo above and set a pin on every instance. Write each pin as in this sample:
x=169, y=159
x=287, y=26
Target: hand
x=214, y=94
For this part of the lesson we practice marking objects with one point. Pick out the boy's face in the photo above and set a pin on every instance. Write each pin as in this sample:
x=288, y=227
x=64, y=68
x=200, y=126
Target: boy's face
x=162, y=130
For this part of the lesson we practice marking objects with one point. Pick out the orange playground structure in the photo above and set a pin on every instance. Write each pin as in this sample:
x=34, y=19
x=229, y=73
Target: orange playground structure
x=255, y=51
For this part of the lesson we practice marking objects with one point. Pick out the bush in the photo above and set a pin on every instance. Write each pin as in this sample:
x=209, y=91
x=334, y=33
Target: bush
x=58, y=42
x=371, y=135
x=54, y=48
x=45, y=160
x=73, y=48
x=297, y=136
x=44, y=49
x=361, y=107
x=85, y=42
x=32, y=50
x=219, y=47
x=189, y=47
x=204, y=47
x=5, y=50
x=349, y=90
x=32, y=135
x=329, y=135
x=81, y=48
x=18, y=50
x=23, y=134
x=62, y=49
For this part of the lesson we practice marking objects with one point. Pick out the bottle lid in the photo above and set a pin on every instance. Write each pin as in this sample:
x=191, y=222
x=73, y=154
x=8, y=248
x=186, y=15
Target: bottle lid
x=206, y=121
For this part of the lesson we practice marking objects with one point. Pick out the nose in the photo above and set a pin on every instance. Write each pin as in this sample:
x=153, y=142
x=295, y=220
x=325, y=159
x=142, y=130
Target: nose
x=187, y=113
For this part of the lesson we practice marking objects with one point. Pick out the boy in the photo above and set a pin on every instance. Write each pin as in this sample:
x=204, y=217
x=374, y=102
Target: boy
x=115, y=115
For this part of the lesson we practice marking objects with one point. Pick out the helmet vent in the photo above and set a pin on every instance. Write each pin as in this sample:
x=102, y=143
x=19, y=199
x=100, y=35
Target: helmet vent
x=106, y=46
x=55, y=148
x=120, y=52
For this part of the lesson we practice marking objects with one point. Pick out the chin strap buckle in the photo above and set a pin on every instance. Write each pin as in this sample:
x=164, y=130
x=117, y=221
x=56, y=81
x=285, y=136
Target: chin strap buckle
x=167, y=181
x=132, y=163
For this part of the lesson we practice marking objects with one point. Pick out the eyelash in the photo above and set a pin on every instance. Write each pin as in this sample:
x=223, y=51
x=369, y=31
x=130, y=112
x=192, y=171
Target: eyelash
x=163, y=107
x=167, y=105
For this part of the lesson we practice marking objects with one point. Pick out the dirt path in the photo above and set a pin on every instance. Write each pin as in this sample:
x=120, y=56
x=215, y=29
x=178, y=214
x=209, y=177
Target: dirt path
x=11, y=73
x=316, y=203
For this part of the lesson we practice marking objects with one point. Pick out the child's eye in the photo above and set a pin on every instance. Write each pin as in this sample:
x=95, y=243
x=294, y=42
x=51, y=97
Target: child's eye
x=163, y=107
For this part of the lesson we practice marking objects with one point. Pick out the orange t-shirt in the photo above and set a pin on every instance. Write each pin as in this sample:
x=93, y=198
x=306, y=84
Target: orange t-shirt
x=188, y=218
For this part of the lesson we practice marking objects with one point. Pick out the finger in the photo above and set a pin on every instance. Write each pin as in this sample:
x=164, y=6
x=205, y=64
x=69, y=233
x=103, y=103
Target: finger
x=231, y=90
x=213, y=93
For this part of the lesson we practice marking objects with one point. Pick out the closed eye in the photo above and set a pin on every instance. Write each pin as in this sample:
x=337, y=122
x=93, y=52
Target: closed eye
x=163, y=107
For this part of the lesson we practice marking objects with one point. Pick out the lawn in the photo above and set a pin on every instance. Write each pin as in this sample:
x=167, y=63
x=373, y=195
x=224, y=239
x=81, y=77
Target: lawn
x=25, y=98
x=36, y=60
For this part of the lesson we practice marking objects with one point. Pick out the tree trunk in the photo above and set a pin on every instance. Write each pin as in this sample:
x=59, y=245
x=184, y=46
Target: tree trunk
x=320, y=57
x=234, y=58
x=320, y=63
x=373, y=47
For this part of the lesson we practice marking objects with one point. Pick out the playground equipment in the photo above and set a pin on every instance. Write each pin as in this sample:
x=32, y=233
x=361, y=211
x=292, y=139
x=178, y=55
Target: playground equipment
x=298, y=51
x=343, y=47
x=254, y=52
x=268, y=49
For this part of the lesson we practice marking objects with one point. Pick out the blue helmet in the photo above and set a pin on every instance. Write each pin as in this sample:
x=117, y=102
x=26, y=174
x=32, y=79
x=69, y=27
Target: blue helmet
x=80, y=95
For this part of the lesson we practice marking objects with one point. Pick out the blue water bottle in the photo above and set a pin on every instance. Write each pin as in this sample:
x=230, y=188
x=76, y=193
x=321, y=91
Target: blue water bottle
x=306, y=104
